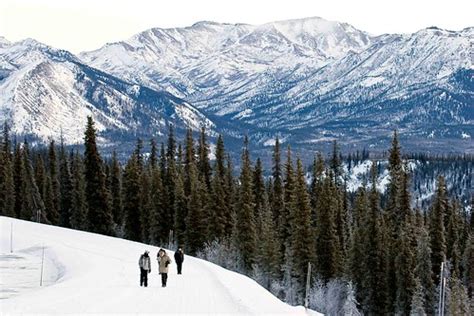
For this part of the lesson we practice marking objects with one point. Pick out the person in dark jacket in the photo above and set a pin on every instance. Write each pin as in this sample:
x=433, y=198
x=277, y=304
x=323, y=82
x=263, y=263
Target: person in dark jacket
x=145, y=268
x=179, y=258
x=163, y=262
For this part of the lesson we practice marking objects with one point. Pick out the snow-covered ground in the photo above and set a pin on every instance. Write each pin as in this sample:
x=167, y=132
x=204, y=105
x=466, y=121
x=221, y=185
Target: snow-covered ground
x=90, y=273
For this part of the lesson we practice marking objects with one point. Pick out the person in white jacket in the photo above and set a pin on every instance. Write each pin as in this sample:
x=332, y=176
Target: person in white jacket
x=145, y=268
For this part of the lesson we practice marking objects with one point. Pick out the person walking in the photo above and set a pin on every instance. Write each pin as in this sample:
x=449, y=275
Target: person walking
x=179, y=258
x=145, y=268
x=163, y=262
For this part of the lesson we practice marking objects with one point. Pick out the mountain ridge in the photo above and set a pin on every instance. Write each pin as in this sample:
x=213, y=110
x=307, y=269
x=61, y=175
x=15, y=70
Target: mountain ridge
x=308, y=80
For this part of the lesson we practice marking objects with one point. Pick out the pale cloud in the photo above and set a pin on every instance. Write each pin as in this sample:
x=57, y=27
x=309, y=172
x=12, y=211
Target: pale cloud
x=88, y=24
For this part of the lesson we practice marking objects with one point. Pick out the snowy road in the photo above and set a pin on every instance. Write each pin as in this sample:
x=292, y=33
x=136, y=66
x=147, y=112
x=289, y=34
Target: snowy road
x=89, y=273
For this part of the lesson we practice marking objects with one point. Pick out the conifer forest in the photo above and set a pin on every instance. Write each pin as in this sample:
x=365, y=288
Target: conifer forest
x=371, y=252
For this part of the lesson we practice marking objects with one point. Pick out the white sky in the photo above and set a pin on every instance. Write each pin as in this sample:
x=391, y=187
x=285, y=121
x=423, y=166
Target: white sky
x=79, y=25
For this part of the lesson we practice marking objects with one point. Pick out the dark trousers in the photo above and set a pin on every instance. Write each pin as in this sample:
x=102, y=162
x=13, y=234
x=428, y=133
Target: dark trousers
x=143, y=277
x=180, y=266
x=164, y=278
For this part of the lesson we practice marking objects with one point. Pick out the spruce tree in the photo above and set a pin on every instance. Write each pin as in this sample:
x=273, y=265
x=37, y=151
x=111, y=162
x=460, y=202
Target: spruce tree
x=204, y=165
x=423, y=270
x=458, y=300
x=180, y=210
x=258, y=193
x=100, y=218
x=328, y=261
x=246, y=230
x=404, y=264
x=158, y=199
x=302, y=242
x=145, y=204
x=132, y=203
x=196, y=225
x=32, y=206
x=335, y=164
x=437, y=229
x=316, y=185
x=277, y=201
x=18, y=171
x=65, y=181
x=417, y=307
x=286, y=213
x=7, y=186
x=116, y=188
x=79, y=211
x=268, y=249
x=55, y=194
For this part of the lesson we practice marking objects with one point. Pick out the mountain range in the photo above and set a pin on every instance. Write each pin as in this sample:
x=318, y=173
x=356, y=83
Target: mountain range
x=308, y=81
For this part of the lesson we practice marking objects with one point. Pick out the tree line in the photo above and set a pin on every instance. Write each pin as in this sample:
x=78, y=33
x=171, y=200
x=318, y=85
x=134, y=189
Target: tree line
x=386, y=252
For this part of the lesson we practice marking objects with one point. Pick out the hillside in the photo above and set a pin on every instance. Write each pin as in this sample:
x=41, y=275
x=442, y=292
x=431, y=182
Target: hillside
x=90, y=273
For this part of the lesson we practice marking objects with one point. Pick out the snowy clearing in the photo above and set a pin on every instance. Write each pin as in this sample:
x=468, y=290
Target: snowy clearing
x=90, y=273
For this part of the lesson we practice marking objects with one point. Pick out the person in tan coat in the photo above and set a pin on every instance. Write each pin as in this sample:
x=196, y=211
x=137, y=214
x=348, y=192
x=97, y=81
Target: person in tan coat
x=163, y=262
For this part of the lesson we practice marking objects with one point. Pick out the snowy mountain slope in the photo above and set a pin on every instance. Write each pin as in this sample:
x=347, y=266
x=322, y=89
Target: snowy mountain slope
x=208, y=56
x=99, y=274
x=310, y=79
x=45, y=92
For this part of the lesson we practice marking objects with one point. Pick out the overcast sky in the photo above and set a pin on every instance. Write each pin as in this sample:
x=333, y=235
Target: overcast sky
x=88, y=24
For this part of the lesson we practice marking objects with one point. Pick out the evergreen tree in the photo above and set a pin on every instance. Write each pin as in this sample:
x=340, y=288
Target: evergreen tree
x=316, y=185
x=7, y=186
x=418, y=300
x=40, y=175
x=373, y=290
x=32, y=206
x=79, y=211
x=145, y=204
x=302, y=235
x=204, y=166
x=189, y=158
x=169, y=182
x=158, y=199
x=328, y=258
x=286, y=214
x=230, y=198
x=335, y=164
x=100, y=218
x=65, y=181
x=55, y=194
x=268, y=249
x=423, y=271
x=246, y=230
x=116, y=188
x=453, y=231
x=404, y=264
x=277, y=201
x=468, y=266
x=437, y=229
x=18, y=171
x=219, y=209
x=180, y=210
x=458, y=301
x=196, y=225
x=132, y=203
x=258, y=193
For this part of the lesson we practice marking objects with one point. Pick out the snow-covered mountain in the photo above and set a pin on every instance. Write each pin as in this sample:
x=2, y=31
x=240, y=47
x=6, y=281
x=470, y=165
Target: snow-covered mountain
x=87, y=273
x=47, y=92
x=311, y=80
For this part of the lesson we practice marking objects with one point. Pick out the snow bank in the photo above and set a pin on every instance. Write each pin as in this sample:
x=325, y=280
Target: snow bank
x=90, y=273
